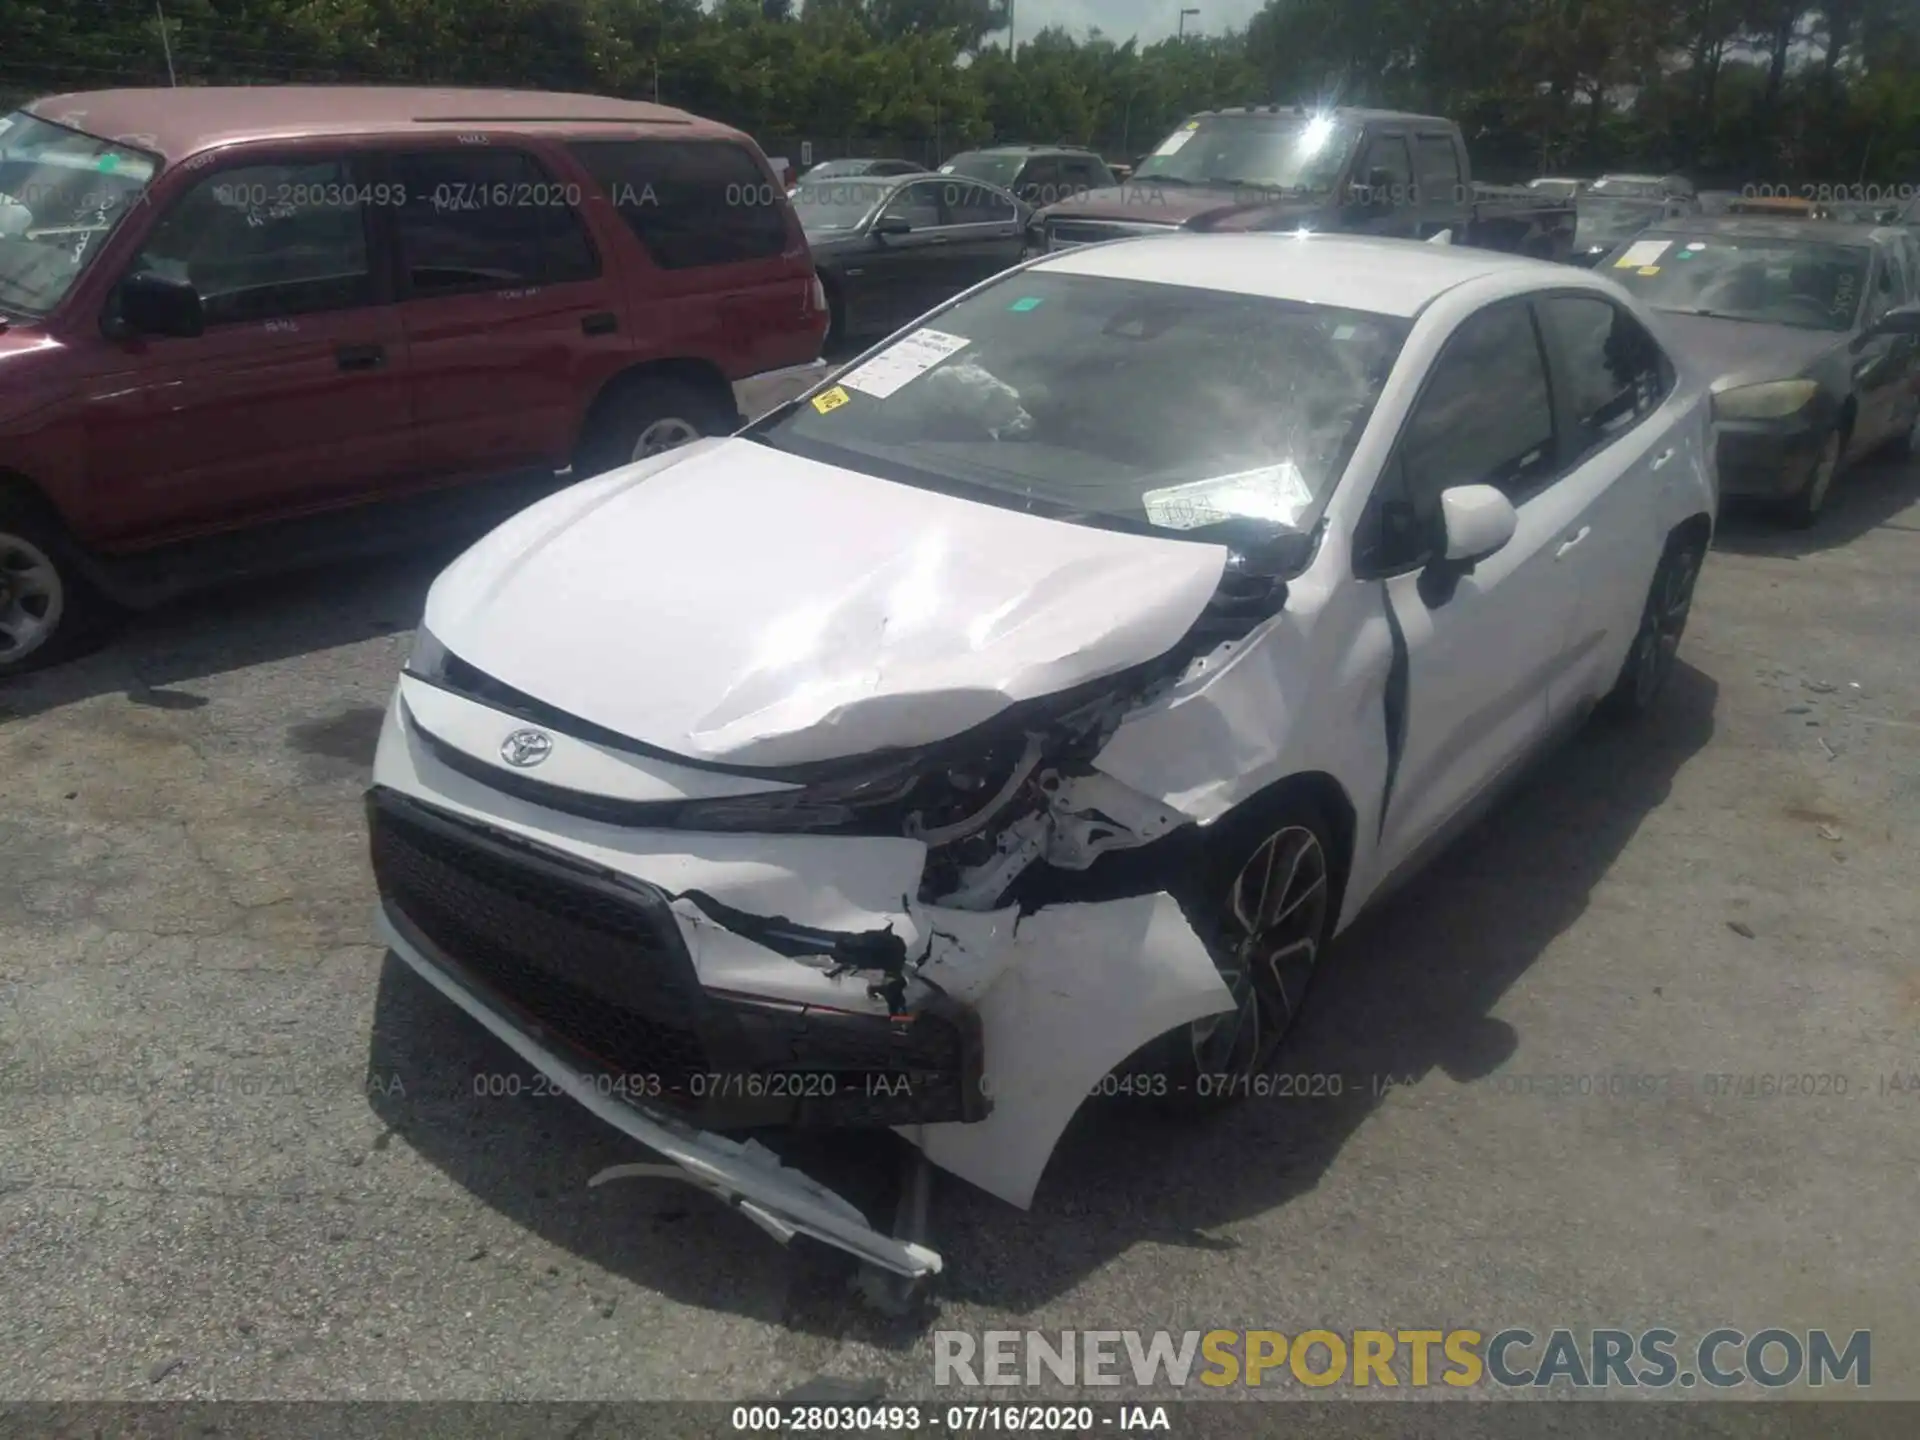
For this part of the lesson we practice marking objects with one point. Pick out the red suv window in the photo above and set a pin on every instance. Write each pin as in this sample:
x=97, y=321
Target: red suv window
x=692, y=202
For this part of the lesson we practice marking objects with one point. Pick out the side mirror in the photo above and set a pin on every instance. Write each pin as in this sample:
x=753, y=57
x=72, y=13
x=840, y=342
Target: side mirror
x=1477, y=520
x=1901, y=320
x=891, y=225
x=159, y=305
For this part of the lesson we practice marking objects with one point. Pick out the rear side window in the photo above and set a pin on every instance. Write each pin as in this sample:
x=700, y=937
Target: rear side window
x=692, y=203
x=261, y=242
x=487, y=220
x=1610, y=370
x=977, y=205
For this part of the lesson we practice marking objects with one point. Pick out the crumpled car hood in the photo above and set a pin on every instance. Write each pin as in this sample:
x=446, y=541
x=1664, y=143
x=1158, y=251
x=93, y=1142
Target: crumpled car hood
x=738, y=605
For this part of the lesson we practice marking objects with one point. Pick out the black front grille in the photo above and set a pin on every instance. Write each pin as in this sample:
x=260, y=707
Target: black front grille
x=594, y=968
x=596, y=962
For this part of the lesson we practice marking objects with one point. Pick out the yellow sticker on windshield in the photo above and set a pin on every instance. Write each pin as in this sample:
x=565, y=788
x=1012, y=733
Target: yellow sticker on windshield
x=831, y=400
x=1649, y=269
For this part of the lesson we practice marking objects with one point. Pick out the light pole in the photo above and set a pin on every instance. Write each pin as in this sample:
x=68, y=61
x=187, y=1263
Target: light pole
x=1181, y=32
x=1012, y=52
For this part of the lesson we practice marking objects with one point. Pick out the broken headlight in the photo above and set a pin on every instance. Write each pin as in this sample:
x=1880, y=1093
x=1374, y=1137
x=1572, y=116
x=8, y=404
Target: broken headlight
x=921, y=794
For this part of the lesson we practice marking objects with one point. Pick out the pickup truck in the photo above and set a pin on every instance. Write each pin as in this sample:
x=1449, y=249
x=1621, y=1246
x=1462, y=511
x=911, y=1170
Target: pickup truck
x=1368, y=172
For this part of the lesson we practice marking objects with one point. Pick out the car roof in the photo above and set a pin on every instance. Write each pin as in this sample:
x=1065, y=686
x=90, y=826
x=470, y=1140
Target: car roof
x=180, y=122
x=1340, y=112
x=1762, y=227
x=1358, y=272
x=1029, y=150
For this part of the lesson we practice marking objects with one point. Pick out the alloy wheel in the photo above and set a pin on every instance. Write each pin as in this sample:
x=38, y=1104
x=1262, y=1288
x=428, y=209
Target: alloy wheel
x=663, y=435
x=1664, y=623
x=32, y=598
x=1271, y=929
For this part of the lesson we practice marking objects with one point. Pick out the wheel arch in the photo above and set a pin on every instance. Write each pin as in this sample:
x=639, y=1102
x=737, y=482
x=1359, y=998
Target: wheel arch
x=19, y=488
x=1329, y=798
x=702, y=375
x=1697, y=527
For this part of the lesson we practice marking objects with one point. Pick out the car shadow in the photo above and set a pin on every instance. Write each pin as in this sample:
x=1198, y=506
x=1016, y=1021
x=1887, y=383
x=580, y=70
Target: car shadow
x=1867, y=497
x=1412, y=992
x=155, y=657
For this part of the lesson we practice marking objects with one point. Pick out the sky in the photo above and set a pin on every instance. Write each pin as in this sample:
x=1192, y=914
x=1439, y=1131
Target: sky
x=1149, y=19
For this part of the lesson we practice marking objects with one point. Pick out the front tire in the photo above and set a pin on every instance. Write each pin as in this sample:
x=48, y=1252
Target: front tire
x=1267, y=903
x=649, y=419
x=48, y=612
x=1803, y=510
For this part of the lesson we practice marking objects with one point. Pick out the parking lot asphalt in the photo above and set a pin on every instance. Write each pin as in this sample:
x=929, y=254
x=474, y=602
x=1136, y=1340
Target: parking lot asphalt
x=242, y=1154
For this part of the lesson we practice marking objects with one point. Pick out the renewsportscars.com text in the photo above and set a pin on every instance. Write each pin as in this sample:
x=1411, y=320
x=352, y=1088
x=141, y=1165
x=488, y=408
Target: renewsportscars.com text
x=1512, y=1358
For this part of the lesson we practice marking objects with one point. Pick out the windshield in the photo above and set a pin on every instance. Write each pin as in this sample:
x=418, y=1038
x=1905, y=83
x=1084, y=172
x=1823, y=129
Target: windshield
x=1608, y=222
x=979, y=165
x=61, y=194
x=837, y=204
x=1301, y=154
x=1154, y=408
x=1809, y=284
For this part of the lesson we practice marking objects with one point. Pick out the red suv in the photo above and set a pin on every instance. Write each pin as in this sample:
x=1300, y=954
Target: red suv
x=232, y=320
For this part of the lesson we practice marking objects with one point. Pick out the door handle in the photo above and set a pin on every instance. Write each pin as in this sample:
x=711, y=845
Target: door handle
x=1573, y=540
x=603, y=322
x=360, y=357
x=1660, y=460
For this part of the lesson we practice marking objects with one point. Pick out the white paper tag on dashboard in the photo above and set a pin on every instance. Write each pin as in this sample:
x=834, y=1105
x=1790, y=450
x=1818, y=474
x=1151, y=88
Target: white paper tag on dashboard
x=904, y=363
x=1277, y=493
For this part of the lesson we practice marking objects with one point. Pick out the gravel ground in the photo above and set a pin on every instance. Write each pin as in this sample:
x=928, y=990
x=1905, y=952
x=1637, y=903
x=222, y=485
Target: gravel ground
x=241, y=1155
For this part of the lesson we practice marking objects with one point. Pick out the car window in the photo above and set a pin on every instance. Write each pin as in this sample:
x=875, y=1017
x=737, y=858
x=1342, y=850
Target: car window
x=260, y=242
x=692, y=203
x=486, y=220
x=1388, y=153
x=1439, y=172
x=1608, y=369
x=1041, y=182
x=977, y=205
x=1485, y=416
x=1082, y=175
x=918, y=204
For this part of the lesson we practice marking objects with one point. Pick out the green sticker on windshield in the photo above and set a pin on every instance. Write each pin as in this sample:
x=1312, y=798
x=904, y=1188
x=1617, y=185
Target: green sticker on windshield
x=1032, y=302
x=107, y=163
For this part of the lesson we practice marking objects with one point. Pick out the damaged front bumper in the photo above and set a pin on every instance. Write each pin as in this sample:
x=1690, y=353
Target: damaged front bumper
x=681, y=983
x=748, y=1176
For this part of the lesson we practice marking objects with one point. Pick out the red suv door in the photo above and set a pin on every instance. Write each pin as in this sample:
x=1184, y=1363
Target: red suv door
x=512, y=319
x=294, y=396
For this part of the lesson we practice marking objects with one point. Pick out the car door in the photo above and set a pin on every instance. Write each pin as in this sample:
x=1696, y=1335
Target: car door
x=1441, y=199
x=295, y=394
x=509, y=315
x=985, y=226
x=1883, y=366
x=1474, y=653
x=908, y=274
x=1621, y=445
x=1386, y=208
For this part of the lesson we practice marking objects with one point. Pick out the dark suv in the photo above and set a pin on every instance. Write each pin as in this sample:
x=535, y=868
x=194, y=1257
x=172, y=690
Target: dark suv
x=250, y=328
x=1040, y=175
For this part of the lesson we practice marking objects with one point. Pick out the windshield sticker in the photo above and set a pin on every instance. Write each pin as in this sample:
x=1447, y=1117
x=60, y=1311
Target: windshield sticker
x=1649, y=270
x=1343, y=332
x=830, y=401
x=1172, y=144
x=903, y=363
x=1275, y=492
x=1641, y=252
x=1021, y=307
x=107, y=163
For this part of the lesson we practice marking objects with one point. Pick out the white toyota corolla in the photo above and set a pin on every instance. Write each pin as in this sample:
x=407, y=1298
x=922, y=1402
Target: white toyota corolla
x=1035, y=700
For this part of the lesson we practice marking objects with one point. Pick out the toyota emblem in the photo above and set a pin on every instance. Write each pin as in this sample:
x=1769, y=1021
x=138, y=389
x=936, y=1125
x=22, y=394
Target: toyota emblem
x=524, y=749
